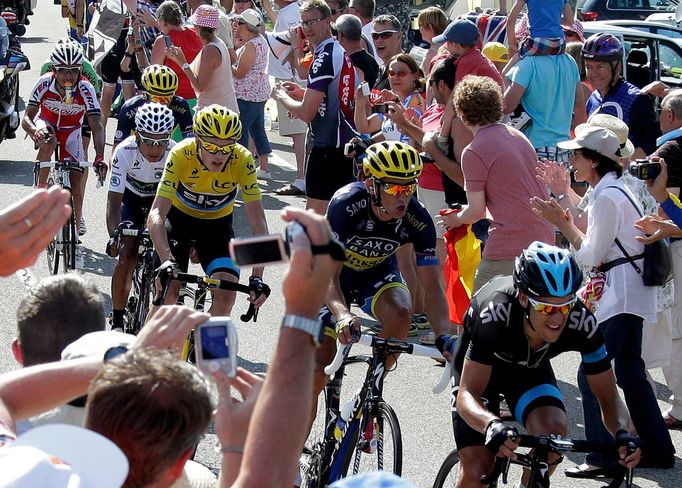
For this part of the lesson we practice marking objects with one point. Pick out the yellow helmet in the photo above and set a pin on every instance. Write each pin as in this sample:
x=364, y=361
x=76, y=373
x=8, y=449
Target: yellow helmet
x=392, y=159
x=217, y=121
x=159, y=80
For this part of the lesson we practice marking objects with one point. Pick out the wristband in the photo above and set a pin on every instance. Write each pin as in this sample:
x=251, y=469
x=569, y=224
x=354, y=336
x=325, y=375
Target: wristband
x=129, y=55
x=560, y=197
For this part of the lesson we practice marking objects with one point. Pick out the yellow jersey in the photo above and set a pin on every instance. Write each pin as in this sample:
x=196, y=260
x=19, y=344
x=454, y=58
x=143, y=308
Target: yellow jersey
x=205, y=194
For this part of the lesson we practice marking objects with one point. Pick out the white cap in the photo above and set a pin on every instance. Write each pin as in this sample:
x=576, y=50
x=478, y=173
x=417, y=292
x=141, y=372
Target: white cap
x=95, y=344
x=62, y=456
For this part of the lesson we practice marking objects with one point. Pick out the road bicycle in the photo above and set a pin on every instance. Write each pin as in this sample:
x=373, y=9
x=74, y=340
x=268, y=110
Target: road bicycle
x=364, y=434
x=199, y=296
x=535, y=461
x=63, y=245
x=142, y=291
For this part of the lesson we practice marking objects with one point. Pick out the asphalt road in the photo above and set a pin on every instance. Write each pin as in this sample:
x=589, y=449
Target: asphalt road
x=424, y=417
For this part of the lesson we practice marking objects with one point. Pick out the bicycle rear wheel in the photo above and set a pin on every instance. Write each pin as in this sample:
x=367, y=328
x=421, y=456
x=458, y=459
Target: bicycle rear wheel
x=387, y=454
x=143, y=301
x=448, y=472
x=53, y=254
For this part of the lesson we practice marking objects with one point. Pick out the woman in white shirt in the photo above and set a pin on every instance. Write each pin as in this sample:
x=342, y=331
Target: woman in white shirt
x=625, y=302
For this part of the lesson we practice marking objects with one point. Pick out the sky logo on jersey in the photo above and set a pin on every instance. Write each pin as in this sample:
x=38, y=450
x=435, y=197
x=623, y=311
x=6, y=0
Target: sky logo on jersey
x=583, y=320
x=495, y=312
x=205, y=201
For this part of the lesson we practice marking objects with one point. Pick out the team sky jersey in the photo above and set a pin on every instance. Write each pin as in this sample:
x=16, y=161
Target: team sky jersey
x=494, y=333
x=333, y=73
x=369, y=241
x=87, y=71
x=54, y=109
x=131, y=171
x=205, y=194
x=126, y=118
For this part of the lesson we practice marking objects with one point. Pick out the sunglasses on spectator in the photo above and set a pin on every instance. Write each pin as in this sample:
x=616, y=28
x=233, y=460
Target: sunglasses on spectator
x=241, y=22
x=311, y=22
x=552, y=308
x=395, y=189
x=399, y=73
x=338, y=10
x=148, y=141
x=573, y=154
x=383, y=34
x=215, y=148
x=243, y=1
x=64, y=70
x=162, y=99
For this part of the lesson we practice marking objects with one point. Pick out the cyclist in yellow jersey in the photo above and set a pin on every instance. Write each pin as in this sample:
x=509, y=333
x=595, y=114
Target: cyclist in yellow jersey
x=195, y=199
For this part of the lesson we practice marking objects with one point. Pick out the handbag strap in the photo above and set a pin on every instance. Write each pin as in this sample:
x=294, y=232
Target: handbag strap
x=605, y=267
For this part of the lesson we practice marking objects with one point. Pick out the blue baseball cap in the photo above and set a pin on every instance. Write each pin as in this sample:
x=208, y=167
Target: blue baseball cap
x=461, y=31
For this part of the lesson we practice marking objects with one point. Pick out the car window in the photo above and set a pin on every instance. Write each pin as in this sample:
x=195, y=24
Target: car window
x=661, y=5
x=670, y=61
x=638, y=65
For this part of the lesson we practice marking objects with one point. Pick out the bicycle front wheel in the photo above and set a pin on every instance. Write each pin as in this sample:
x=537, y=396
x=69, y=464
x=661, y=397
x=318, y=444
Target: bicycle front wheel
x=448, y=472
x=69, y=241
x=380, y=446
x=143, y=301
x=53, y=254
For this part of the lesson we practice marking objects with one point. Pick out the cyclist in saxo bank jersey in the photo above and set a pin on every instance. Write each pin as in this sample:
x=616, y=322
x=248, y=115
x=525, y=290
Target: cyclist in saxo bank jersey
x=513, y=327
x=54, y=115
x=373, y=218
x=195, y=200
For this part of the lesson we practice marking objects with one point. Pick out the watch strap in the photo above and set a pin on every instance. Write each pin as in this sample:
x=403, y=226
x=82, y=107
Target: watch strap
x=305, y=324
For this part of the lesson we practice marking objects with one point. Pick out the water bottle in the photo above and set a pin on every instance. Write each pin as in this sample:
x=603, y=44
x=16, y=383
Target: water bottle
x=344, y=417
x=268, y=119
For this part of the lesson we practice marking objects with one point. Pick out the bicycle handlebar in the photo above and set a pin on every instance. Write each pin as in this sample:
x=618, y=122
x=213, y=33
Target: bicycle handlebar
x=558, y=445
x=251, y=313
x=68, y=164
x=392, y=345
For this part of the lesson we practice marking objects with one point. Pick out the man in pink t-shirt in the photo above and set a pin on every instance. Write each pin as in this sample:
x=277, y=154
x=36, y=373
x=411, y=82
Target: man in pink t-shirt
x=499, y=177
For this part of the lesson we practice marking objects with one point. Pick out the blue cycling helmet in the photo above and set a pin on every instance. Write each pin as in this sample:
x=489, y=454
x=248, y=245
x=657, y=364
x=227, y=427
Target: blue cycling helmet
x=547, y=271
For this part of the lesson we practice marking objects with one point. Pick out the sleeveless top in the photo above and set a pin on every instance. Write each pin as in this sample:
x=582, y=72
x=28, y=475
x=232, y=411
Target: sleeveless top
x=220, y=88
x=254, y=87
x=190, y=43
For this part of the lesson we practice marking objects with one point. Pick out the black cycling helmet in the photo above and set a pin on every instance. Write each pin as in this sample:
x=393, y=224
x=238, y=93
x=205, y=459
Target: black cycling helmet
x=543, y=270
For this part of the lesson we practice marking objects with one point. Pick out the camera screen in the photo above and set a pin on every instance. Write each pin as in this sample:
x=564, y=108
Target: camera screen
x=214, y=342
x=253, y=253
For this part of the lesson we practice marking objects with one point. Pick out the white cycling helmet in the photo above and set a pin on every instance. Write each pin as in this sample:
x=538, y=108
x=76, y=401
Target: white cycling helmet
x=67, y=52
x=154, y=118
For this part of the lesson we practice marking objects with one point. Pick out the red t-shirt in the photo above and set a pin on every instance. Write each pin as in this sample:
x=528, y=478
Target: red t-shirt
x=473, y=62
x=501, y=161
x=190, y=43
x=431, y=178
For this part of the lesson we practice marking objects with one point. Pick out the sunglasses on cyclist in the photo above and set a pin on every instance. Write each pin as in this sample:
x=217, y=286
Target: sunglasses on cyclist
x=383, y=34
x=215, y=148
x=148, y=141
x=162, y=99
x=63, y=70
x=400, y=73
x=395, y=189
x=551, y=308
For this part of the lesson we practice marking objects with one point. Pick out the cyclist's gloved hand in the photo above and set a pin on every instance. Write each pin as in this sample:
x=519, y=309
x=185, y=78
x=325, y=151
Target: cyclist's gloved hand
x=166, y=269
x=497, y=433
x=101, y=167
x=348, y=329
x=628, y=448
x=258, y=291
x=446, y=345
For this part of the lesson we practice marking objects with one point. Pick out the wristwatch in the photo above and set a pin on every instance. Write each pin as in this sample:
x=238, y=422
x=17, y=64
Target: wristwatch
x=113, y=352
x=304, y=324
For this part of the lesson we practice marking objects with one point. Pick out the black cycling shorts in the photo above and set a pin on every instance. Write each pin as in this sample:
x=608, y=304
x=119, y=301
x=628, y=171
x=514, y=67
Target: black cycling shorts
x=327, y=170
x=209, y=237
x=135, y=209
x=111, y=64
x=524, y=390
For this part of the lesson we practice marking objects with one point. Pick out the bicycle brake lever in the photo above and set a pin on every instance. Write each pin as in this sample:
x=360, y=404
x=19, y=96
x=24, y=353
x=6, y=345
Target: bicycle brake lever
x=251, y=313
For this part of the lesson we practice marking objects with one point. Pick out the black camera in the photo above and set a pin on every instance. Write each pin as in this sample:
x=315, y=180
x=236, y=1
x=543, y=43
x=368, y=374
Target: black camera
x=380, y=108
x=645, y=169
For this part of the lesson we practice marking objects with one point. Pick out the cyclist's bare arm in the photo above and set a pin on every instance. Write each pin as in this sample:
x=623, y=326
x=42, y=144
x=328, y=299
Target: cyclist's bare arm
x=95, y=122
x=27, y=121
x=337, y=304
x=436, y=305
x=614, y=413
x=473, y=382
x=156, y=223
x=114, y=200
x=259, y=226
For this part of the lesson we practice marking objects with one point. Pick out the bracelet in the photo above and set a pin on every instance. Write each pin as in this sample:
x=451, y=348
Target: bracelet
x=185, y=66
x=558, y=198
x=129, y=55
x=79, y=25
x=229, y=449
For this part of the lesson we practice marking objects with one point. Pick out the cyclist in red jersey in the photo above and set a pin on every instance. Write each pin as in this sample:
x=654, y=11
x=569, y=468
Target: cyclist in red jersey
x=54, y=115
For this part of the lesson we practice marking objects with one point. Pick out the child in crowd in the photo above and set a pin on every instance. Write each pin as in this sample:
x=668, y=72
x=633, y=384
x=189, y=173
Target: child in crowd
x=546, y=35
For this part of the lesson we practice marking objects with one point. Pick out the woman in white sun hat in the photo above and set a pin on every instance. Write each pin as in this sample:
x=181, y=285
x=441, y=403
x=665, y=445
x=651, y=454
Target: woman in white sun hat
x=211, y=72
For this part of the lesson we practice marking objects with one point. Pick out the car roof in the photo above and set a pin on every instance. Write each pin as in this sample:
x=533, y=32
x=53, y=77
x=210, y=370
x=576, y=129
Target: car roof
x=597, y=26
x=641, y=23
